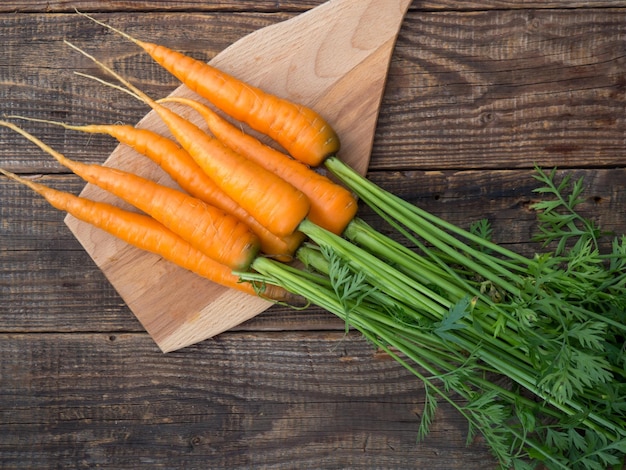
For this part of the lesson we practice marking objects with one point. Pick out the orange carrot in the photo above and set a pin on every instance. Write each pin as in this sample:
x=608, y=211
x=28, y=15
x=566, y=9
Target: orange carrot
x=276, y=204
x=147, y=234
x=300, y=130
x=210, y=230
x=332, y=205
x=189, y=176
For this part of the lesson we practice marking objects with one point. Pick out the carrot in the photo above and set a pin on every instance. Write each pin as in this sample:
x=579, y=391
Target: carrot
x=189, y=176
x=275, y=203
x=210, y=230
x=300, y=130
x=332, y=205
x=145, y=233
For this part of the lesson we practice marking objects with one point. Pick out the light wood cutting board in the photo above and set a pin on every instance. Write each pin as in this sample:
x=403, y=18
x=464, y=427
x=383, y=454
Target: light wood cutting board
x=333, y=58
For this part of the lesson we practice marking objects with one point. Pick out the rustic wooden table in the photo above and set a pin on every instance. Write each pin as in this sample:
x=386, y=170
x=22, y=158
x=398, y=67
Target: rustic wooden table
x=478, y=92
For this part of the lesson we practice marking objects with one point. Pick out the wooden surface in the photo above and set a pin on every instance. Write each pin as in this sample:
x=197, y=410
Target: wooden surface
x=333, y=58
x=478, y=93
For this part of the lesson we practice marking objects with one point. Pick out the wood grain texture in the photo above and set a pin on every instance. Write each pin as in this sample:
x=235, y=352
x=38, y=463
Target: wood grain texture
x=82, y=385
x=10, y=6
x=506, y=89
x=140, y=6
x=350, y=407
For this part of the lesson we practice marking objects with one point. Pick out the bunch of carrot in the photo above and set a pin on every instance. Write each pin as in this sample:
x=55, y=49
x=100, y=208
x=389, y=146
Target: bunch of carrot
x=238, y=198
x=244, y=208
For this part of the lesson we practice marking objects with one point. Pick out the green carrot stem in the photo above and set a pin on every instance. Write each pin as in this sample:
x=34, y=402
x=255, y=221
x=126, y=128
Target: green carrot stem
x=503, y=343
x=426, y=271
x=379, y=274
x=425, y=224
x=412, y=264
x=356, y=181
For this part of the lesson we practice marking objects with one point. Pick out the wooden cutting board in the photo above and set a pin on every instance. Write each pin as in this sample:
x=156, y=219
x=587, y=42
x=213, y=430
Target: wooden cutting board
x=333, y=58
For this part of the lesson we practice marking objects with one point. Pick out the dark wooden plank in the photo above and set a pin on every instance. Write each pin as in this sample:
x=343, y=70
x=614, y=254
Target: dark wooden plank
x=461, y=197
x=473, y=5
x=505, y=89
x=63, y=291
x=29, y=222
x=138, y=7
x=240, y=401
x=58, y=290
x=493, y=89
x=284, y=5
x=504, y=198
x=48, y=283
